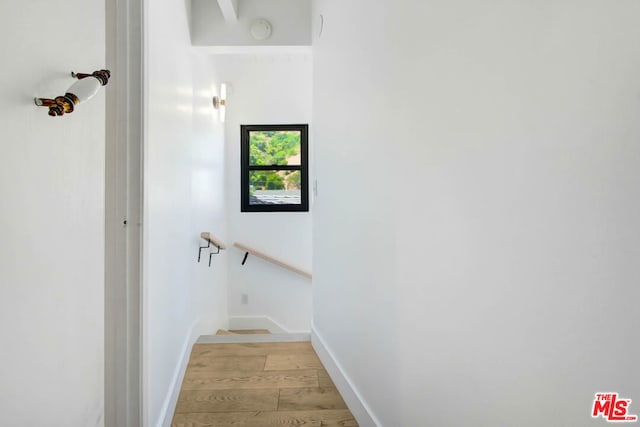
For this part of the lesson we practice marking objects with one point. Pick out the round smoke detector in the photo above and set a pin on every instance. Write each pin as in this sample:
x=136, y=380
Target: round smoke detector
x=261, y=29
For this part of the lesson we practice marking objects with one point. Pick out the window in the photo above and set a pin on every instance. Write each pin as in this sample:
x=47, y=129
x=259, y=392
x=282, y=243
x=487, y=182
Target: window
x=274, y=168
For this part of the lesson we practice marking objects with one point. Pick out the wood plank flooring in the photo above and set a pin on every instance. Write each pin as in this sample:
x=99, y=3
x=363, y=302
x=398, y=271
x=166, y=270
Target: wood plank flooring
x=279, y=384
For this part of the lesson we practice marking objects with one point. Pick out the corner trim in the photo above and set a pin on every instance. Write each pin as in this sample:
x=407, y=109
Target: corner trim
x=349, y=392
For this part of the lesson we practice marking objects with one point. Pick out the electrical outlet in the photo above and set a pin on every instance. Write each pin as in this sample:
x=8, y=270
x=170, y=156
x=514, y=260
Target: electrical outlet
x=244, y=299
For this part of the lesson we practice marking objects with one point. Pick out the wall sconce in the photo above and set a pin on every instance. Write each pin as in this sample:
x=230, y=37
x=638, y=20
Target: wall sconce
x=220, y=102
x=82, y=90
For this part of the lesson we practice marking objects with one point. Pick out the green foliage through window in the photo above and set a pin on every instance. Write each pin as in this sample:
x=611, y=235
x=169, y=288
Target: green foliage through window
x=274, y=148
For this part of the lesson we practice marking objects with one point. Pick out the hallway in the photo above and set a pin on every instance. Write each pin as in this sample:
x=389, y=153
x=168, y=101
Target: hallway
x=472, y=229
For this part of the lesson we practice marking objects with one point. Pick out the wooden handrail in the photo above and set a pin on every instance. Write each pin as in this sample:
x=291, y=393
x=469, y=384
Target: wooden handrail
x=213, y=239
x=271, y=259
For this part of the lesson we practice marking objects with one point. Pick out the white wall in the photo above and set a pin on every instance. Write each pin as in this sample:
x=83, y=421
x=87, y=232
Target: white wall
x=51, y=218
x=267, y=89
x=289, y=19
x=184, y=195
x=484, y=264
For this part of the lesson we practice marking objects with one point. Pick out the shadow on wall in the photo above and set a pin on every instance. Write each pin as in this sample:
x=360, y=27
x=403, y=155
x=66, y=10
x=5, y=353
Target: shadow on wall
x=265, y=295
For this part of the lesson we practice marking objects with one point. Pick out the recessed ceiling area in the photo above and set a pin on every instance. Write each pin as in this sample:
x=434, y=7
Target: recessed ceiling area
x=224, y=26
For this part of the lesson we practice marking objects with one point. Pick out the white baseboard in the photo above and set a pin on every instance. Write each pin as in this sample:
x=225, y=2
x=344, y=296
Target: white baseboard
x=352, y=398
x=260, y=322
x=169, y=405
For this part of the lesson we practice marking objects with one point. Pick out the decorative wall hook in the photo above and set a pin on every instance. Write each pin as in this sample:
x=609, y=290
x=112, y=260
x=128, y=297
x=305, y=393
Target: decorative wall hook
x=210, y=239
x=82, y=90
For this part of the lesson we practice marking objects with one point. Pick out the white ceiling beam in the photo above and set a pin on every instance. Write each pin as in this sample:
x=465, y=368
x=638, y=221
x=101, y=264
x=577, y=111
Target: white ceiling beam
x=229, y=10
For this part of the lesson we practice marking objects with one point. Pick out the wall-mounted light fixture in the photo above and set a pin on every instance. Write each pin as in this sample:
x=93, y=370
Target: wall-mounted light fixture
x=83, y=90
x=220, y=102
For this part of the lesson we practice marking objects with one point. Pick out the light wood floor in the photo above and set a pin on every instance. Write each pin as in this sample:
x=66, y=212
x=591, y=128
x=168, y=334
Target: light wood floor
x=259, y=385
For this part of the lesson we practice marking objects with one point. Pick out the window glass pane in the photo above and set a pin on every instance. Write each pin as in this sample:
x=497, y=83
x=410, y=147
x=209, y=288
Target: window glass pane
x=275, y=187
x=267, y=148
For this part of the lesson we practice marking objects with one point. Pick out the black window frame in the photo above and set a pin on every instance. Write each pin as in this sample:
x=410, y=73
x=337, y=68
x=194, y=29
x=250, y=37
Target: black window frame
x=246, y=168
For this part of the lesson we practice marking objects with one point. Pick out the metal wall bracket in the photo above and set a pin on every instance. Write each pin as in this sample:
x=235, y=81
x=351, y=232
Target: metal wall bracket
x=201, y=248
x=211, y=254
x=210, y=239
